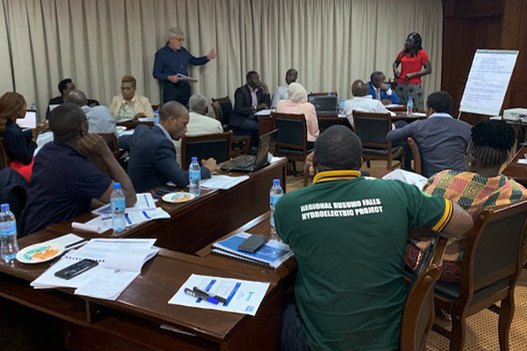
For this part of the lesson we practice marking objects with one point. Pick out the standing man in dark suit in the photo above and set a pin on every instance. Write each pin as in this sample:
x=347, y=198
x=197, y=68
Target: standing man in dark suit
x=173, y=59
x=153, y=159
x=248, y=99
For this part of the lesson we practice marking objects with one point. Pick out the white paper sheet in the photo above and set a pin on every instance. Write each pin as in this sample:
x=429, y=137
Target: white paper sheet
x=223, y=182
x=242, y=296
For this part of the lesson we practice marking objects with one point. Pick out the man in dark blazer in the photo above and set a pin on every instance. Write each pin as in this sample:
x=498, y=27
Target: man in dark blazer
x=153, y=155
x=248, y=99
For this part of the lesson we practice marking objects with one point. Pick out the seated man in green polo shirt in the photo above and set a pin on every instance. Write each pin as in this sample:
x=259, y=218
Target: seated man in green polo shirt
x=349, y=235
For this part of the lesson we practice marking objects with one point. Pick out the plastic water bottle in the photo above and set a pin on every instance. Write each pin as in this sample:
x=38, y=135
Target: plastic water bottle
x=156, y=116
x=341, y=105
x=194, y=175
x=118, y=208
x=9, y=247
x=33, y=106
x=275, y=194
x=409, y=106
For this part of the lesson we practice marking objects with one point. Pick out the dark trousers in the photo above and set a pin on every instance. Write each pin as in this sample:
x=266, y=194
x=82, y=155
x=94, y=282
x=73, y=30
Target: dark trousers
x=179, y=92
x=293, y=338
x=252, y=127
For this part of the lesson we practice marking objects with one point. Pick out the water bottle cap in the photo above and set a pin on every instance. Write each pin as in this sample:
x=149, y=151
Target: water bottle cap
x=4, y=207
x=194, y=159
x=117, y=185
x=410, y=98
x=276, y=181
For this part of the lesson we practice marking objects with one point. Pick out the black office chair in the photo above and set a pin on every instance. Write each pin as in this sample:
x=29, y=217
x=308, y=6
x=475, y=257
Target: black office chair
x=217, y=146
x=291, y=139
x=371, y=128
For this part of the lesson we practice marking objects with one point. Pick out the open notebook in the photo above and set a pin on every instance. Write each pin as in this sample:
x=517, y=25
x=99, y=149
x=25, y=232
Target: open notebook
x=120, y=262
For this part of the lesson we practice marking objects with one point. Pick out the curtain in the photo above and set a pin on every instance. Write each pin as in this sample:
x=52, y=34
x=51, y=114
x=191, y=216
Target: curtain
x=95, y=42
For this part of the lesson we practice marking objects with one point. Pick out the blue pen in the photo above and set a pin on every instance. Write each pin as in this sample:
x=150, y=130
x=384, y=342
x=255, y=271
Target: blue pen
x=146, y=199
x=205, y=297
x=128, y=219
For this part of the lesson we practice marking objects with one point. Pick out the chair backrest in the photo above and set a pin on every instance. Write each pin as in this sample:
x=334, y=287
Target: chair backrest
x=371, y=128
x=493, y=248
x=324, y=93
x=156, y=107
x=111, y=141
x=226, y=108
x=416, y=155
x=217, y=111
x=292, y=131
x=4, y=160
x=418, y=315
x=217, y=146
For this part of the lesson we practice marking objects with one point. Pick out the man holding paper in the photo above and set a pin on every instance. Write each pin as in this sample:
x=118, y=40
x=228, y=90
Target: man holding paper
x=171, y=67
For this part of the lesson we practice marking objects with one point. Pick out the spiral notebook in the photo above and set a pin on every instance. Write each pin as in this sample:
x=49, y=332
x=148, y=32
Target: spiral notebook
x=120, y=262
x=271, y=255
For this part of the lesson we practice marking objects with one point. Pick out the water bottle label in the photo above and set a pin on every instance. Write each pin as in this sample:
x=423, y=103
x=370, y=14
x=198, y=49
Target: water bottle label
x=274, y=199
x=8, y=228
x=118, y=205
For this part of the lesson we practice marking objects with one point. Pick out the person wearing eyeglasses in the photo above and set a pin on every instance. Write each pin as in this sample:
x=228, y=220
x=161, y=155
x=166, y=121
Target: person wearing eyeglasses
x=173, y=59
x=130, y=105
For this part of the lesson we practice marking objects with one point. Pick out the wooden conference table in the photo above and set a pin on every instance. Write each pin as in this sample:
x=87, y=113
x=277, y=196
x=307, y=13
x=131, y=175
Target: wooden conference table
x=199, y=222
x=134, y=320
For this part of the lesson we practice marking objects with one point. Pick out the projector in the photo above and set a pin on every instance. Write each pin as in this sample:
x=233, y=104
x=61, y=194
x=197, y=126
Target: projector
x=514, y=114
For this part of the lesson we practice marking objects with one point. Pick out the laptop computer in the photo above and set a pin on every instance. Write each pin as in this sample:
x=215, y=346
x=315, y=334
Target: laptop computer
x=325, y=105
x=249, y=163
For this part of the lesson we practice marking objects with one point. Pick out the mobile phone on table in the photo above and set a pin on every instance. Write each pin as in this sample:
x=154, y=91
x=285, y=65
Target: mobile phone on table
x=76, y=269
x=164, y=191
x=253, y=243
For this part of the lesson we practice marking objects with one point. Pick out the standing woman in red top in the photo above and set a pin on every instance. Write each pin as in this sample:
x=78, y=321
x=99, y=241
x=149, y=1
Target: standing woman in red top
x=414, y=64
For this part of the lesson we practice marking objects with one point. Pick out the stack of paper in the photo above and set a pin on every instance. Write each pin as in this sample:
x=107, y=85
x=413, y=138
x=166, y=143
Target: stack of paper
x=407, y=177
x=271, y=255
x=223, y=182
x=242, y=296
x=143, y=211
x=120, y=262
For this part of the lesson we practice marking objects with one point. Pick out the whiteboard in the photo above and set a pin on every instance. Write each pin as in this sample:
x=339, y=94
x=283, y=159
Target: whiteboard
x=488, y=81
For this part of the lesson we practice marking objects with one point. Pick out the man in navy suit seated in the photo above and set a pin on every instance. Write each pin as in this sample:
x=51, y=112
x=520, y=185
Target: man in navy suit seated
x=380, y=90
x=153, y=159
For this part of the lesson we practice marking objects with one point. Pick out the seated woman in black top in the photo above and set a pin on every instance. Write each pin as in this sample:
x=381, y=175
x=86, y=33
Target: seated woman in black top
x=19, y=144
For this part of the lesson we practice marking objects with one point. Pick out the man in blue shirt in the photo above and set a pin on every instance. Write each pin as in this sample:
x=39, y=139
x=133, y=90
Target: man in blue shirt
x=173, y=59
x=380, y=90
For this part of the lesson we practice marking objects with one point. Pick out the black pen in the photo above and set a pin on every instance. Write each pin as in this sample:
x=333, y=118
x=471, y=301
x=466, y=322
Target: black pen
x=76, y=243
x=205, y=296
x=219, y=298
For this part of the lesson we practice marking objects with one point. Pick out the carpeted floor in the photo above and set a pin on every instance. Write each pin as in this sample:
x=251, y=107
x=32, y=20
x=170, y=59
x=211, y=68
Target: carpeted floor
x=482, y=328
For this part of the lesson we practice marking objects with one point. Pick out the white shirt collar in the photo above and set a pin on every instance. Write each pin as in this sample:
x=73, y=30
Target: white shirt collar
x=440, y=114
x=164, y=131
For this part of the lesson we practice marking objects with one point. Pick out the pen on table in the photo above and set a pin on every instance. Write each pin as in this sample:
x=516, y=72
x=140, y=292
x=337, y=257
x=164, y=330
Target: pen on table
x=205, y=297
x=154, y=194
x=76, y=243
x=219, y=298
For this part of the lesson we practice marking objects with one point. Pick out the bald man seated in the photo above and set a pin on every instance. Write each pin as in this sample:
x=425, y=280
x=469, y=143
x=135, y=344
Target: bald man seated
x=64, y=184
x=100, y=120
x=152, y=153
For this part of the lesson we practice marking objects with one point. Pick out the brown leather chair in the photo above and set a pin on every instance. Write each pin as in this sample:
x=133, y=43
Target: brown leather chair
x=111, y=141
x=491, y=267
x=371, y=128
x=217, y=146
x=416, y=155
x=291, y=139
x=418, y=315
